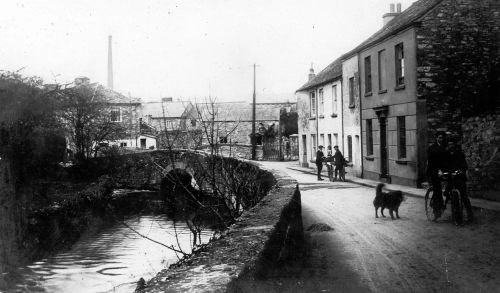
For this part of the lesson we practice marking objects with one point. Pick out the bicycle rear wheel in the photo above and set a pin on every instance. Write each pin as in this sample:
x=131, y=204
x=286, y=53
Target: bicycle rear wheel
x=342, y=174
x=428, y=209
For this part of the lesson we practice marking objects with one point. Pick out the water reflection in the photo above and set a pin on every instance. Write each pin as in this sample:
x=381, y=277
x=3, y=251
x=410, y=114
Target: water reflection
x=110, y=261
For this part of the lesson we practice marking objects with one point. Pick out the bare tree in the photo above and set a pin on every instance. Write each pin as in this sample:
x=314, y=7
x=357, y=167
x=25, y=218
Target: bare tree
x=85, y=111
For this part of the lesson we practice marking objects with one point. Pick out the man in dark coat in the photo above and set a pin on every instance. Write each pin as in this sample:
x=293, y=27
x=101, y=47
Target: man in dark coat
x=436, y=162
x=455, y=161
x=319, y=161
x=339, y=161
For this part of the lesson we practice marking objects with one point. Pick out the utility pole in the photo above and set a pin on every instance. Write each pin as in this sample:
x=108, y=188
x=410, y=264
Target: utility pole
x=253, y=117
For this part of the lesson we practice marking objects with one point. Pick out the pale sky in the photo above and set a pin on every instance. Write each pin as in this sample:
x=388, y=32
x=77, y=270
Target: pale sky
x=185, y=49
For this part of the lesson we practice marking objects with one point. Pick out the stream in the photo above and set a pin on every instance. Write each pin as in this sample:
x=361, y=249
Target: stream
x=112, y=260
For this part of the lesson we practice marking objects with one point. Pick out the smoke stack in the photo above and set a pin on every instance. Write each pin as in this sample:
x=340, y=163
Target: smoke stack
x=110, y=63
x=392, y=13
x=311, y=73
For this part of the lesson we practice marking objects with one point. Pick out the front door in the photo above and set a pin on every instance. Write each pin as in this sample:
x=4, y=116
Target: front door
x=383, y=148
x=143, y=143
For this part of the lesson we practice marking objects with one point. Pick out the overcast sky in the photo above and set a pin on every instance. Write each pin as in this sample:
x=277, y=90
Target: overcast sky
x=187, y=49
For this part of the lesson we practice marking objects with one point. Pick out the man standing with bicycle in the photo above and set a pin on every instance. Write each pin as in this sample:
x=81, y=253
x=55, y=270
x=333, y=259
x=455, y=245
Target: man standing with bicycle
x=456, y=162
x=436, y=163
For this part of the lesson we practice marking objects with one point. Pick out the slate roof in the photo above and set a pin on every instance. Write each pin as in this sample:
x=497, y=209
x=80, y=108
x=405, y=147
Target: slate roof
x=173, y=109
x=330, y=73
x=402, y=21
x=242, y=111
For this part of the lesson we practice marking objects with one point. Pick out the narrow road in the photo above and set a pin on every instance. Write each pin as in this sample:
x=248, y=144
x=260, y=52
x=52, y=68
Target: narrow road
x=365, y=254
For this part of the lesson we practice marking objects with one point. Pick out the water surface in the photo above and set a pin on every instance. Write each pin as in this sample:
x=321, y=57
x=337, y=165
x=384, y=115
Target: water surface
x=111, y=261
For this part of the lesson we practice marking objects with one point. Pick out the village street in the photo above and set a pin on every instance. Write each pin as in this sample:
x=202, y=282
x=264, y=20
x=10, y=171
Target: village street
x=365, y=254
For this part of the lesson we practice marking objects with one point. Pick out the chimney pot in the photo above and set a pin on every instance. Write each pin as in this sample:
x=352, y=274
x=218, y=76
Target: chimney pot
x=311, y=73
x=398, y=8
x=391, y=8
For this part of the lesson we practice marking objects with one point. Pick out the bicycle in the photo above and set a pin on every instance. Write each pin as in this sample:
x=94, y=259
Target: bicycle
x=450, y=193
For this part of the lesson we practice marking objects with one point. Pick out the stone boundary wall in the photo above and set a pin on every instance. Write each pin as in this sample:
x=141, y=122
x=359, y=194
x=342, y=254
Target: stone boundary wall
x=481, y=145
x=260, y=240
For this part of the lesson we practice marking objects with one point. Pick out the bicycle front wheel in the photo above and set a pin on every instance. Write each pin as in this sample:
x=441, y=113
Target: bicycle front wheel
x=428, y=209
x=457, y=206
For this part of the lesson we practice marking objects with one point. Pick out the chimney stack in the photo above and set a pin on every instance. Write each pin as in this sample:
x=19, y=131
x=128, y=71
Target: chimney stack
x=311, y=73
x=110, y=63
x=392, y=12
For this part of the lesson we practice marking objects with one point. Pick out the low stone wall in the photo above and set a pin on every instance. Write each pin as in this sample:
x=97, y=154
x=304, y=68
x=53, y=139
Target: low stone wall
x=241, y=151
x=481, y=145
x=261, y=239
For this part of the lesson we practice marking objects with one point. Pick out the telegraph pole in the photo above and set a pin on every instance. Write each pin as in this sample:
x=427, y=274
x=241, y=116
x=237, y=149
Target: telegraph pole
x=253, y=117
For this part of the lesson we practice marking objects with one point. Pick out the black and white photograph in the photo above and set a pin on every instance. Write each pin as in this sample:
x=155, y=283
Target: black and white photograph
x=242, y=146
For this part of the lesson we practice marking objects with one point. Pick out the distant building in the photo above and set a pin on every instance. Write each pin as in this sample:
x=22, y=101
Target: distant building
x=319, y=105
x=233, y=120
x=168, y=115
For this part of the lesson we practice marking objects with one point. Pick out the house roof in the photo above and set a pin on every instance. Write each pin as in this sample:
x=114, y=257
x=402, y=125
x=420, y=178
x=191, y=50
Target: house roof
x=330, y=73
x=169, y=110
x=242, y=111
x=111, y=96
x=400, y=22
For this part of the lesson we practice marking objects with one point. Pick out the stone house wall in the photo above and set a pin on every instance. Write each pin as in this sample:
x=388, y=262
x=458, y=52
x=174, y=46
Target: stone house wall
x=458, y=48
x=457, y=71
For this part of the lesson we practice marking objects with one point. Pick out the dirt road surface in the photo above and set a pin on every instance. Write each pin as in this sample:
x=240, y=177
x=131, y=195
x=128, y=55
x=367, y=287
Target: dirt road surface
x=364, y=254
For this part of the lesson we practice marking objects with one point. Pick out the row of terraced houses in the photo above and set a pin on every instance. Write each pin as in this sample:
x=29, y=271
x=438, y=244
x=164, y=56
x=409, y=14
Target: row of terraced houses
x=431, y=67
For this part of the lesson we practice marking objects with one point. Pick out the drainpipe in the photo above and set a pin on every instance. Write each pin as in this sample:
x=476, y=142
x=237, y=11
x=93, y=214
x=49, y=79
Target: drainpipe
x=360, y=118
x=317, y=118
x=342, y=111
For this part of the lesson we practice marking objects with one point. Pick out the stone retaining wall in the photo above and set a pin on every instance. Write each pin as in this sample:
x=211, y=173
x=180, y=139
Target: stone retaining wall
x=261, y=239
x=481, y=145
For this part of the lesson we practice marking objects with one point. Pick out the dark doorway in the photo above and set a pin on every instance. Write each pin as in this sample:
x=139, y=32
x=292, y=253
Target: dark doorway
x=383, y=148
x=304, y=150
x=143, y=143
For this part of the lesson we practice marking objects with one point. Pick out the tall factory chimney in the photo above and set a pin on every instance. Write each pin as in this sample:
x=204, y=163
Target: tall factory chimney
x=110, y=63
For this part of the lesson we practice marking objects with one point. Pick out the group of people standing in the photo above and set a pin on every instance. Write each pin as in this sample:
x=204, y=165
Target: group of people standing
x=332, y=159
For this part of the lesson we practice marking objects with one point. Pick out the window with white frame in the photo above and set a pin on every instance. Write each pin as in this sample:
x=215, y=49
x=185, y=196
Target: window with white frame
x=312, y=100
x=400, y=64
x=322, y=139
x=334, y=99
x=351, y=92
x=321, y=102
x=116, y=115
x=368, y=75
x=401, y=124
x=381, y=70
